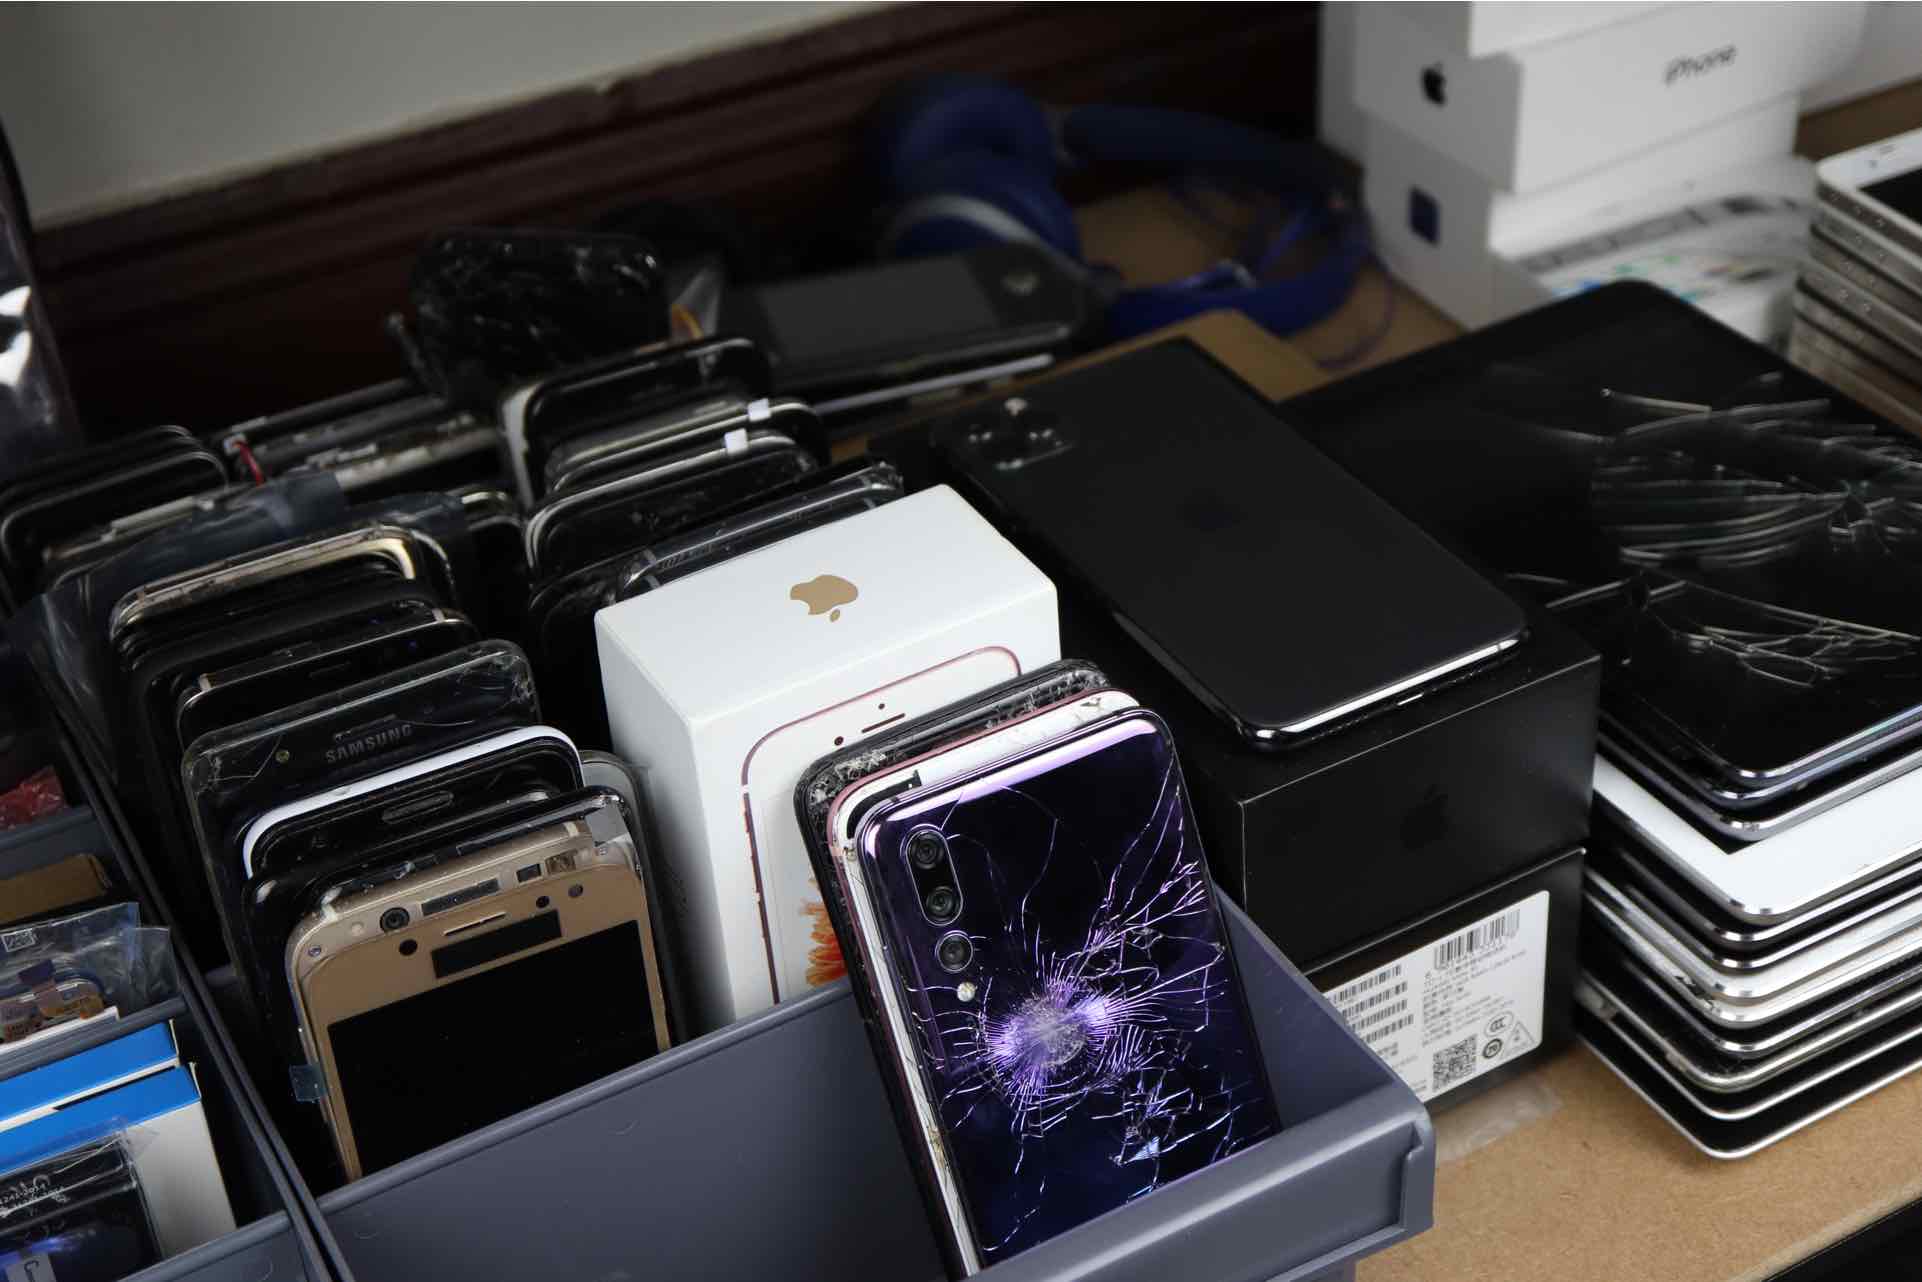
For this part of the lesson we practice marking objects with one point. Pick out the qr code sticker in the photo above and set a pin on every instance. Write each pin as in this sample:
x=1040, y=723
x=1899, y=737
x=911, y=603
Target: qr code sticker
x=1454, y=1064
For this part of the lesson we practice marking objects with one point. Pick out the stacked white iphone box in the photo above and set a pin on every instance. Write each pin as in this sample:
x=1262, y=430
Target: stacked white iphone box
x=1591, y=142
x=728, y=684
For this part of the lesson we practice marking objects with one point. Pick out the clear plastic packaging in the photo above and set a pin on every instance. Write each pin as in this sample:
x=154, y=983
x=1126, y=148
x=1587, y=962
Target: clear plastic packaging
x=76, y=1216
x=56, y=972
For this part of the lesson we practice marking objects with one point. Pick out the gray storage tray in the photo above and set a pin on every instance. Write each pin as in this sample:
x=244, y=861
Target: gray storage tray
x=767, y=1150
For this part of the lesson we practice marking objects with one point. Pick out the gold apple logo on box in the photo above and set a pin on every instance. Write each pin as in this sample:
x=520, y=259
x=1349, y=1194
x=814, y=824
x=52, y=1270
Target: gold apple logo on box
x=825, y=594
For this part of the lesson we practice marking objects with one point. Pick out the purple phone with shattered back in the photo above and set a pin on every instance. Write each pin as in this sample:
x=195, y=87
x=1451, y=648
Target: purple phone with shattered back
x=1052, y=979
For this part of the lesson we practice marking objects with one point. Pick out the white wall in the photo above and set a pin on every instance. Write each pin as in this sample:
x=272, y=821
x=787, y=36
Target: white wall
x=111, y=103
x=1891, y=54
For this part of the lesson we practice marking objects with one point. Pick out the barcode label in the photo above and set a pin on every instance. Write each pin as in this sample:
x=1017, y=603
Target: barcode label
x=1454, y=1064
x=1342, y=996
x=1352, y=1010
x=1363, y=1025
x=1452, y=1009
x=1472, y=941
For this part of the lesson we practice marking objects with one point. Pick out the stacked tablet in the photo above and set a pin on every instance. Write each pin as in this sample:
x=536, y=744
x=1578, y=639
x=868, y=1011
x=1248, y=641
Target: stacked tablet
x=1754, y=958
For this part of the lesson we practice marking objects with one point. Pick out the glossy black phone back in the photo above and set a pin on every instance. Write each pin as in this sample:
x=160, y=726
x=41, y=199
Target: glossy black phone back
x=1275, y=585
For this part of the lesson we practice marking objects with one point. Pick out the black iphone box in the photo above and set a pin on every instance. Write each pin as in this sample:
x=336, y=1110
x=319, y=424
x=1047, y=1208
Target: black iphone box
x=1384, y=822
x=1475, y=992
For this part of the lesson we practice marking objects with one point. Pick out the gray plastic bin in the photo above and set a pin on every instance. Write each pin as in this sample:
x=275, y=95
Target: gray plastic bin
x=767, y=1150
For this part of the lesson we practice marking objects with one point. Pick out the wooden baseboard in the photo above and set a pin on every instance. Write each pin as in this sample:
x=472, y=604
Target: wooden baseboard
x=209, y=306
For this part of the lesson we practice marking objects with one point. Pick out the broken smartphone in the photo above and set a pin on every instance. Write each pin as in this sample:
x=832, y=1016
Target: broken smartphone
x=1044, y=966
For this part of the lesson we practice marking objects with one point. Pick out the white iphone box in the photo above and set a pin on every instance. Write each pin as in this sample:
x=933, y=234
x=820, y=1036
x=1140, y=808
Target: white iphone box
x=729, y=683
x=1548, y=112
x=1450, y=233
x=1477, y=28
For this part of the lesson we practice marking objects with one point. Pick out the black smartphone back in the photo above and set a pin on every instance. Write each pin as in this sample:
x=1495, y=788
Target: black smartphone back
x=1279, y=589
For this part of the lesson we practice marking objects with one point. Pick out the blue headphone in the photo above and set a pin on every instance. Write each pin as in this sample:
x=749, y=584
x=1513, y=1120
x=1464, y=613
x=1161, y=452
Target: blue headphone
x=966, y=161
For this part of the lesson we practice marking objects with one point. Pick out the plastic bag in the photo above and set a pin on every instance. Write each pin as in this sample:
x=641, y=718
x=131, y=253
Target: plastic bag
x=65, y=969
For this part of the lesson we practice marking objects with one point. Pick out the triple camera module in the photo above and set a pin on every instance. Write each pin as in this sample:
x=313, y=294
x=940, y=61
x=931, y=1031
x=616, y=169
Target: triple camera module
x=934, y=881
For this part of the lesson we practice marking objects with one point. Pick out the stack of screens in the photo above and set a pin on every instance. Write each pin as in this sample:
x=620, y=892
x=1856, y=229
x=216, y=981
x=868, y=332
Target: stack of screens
x=1754, y=949
x=1858, y=304
x=1743, y=544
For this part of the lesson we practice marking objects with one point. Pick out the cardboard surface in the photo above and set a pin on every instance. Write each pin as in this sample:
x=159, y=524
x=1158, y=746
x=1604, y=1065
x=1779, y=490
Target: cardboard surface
x=1602, y=1188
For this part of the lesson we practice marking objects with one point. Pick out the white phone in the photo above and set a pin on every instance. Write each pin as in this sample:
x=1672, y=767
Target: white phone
x=1785, y=875
x=386, y=779
x=1880, y=187
x=802, y=951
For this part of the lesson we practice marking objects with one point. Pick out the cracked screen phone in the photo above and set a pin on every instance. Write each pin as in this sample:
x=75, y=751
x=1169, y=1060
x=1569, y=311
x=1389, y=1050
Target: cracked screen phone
x=1077, y=1021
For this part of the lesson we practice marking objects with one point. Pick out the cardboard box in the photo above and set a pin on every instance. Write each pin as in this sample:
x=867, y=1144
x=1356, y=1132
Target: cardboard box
x=724, y=686
x=1477, y=29
x=1473, y=993
x=1331, y=845
x=1532, y=118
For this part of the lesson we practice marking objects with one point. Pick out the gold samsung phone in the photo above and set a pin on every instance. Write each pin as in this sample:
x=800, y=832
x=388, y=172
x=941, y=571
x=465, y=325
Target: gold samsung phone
x=460, y=994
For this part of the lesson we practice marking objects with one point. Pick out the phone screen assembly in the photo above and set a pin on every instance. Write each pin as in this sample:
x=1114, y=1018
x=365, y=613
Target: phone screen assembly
x=802, y=949
x=448, y=1000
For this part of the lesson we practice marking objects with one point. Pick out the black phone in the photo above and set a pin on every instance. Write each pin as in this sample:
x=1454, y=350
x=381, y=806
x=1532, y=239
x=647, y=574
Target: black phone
x=312, y=666
x=1276, y=587
x=155, y=687
x=868, y=486
x=237, y=773
x=295, y=861
x=856, y=339
x=574, y=529
x=596, y=456
x=625, y=391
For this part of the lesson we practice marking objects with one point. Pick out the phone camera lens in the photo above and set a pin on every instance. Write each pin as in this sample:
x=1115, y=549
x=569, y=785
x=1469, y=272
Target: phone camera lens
x=954, y=952
x=926, y=848
x=394, y=919
x=943, y=905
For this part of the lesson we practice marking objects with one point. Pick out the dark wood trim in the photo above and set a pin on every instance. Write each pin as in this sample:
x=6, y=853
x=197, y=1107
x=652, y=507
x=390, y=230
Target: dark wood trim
x=225, y=301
